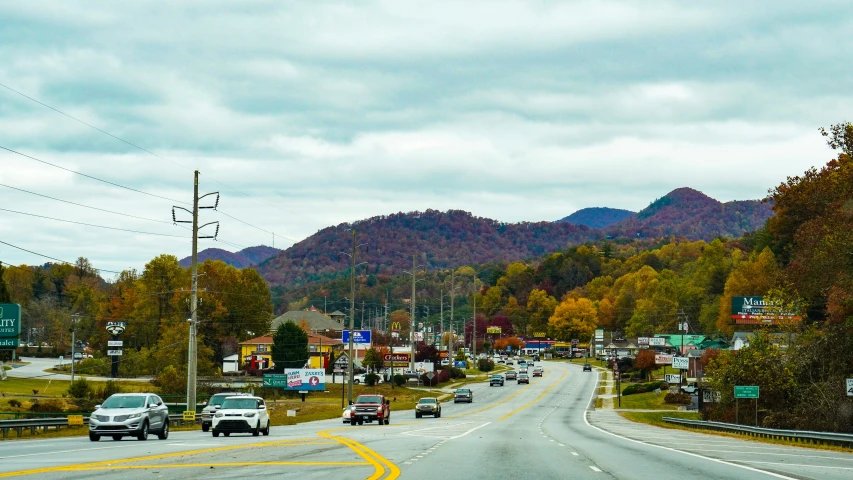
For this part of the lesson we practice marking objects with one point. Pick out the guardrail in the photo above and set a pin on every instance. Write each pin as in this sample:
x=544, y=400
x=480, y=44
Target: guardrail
x=58, y=422
x=842, y=439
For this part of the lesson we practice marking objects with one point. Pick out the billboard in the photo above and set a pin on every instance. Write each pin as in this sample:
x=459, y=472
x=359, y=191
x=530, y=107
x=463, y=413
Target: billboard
x=661, y=359
x=397, y=359
x=657, y=342
x=361, y=337
x=303, y=379
x=496, y=330
x=424, y=367
x=757, y=311
x=681, y=363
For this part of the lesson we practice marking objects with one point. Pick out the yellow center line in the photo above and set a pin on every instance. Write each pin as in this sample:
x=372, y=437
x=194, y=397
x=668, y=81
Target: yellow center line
x=535, y=399
x=364, y=453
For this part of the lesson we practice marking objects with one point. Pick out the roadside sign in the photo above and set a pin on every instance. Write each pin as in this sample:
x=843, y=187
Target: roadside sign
x=397, y=359
x=10, y=320
x=10, y=342
x=430, y=375
x=275, y=380
x=680, y=363
x=189, y=415
x=361, y=337
x=672, y=378
x=711, y=396
x=304, y=379
x=663, y=359
x=746, y=391
x=599, y=334
x=850, y=387
x=116, y=328
x=115, y=343
x=75, y=420
x=113, y=353
x=339, y=370
x=657, y=342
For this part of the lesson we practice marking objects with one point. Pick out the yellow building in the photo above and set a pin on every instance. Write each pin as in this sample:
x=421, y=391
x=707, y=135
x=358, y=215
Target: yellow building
x=259, y=350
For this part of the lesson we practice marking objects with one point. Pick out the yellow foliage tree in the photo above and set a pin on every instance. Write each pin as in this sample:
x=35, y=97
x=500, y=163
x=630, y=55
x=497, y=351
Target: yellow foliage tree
x=573, y=319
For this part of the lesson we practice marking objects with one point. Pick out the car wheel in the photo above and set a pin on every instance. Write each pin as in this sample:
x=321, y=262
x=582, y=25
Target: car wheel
x=215, y=433
x=387, y=421
x=267, y=430
x=438, y=415
x=355, y=381
x=205, y=428
x=227, y=434
x=361, y=422
x=417, y=415
x=143, y=434
x=94, y=437
x=163, y=434
x=116, y=437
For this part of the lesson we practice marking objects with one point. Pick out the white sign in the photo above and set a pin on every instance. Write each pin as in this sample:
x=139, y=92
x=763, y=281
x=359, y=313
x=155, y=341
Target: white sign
x=850, y=387
x=423, y=367
x=681, y=363
x=657, y=342
x=662, y=359
x=672, y=378
x=643, y=341
x=599, y=334
x=710, y=396
x=113, y=353
x=419, y=336
x=115, y=343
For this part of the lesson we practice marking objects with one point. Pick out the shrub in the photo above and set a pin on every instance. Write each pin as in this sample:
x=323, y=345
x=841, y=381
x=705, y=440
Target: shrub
x=53, y=405
x=645, y=387
x=80, y=389
x=678, y=398
x=171, y=382
x=456, y=373
x=110, y=387
x=15, y=403
x=400, y=380
x=371, y=379
x=84, y=405
x=485, y=365
x=94, y=366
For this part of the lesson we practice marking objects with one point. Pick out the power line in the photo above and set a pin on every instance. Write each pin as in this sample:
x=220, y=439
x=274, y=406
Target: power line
x=52, y=258
x=85, y=206
x=90, y=176
x=93, y=225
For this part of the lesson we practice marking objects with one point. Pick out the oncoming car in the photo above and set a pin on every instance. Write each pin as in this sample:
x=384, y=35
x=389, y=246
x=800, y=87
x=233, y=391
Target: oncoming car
x=129, y=415
x=428, y=406
x=210, y=409
x=242, y=415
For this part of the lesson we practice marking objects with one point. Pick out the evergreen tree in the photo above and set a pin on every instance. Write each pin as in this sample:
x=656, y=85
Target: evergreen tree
x=4, y=291
x=289, y=347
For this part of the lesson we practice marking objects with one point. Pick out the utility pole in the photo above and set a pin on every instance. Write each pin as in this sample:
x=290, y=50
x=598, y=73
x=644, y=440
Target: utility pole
x=474, y=326
x=411, y=330
x=450, y=338
x=350, y=355
x=192, y=349
x=441, y=320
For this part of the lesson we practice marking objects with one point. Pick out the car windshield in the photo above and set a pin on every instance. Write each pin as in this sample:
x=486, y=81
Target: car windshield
x=124, y=402
x=426, y=400
x=463, y=390
x=217, y=399
x=367, y=399
x=239, y=404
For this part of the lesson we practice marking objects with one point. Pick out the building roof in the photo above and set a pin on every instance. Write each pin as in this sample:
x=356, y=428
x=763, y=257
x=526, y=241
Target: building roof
x=315, y=320
x=313, y=339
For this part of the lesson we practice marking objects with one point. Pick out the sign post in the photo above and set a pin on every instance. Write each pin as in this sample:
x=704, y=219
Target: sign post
x=746, y=391
x=115, y=329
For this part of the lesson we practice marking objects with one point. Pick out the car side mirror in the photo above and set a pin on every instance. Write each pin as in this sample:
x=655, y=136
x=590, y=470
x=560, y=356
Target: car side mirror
x=152, y=405
x=263, y=407
x=217, y=407
x=204, y=403
x=97, y=407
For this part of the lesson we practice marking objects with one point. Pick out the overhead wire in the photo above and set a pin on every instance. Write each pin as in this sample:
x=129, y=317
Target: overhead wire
x=93, y=225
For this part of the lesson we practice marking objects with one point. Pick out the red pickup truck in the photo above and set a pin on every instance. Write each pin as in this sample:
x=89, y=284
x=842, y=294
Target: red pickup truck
x=371, y=408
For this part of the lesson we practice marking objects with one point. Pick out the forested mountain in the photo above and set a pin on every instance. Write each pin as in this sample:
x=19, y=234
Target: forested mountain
x=440, y=239
x=691, y=214
x=597, y=217
x=242, y=259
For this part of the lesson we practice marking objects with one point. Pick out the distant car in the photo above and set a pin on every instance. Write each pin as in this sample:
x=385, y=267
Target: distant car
x=463, y=395
x=512, y=375
x=347, y=415
x=359, y=379
x=243, y=414
x=509, y=362
x=501, y=361
x=445, y=362
x=535, y=358
x=523, y=378
x=522, y=364
x=212, y=406
x=691, y=388
x=496, y=379
x=587, y=367
x=538, y=371
x=428, y=406
x=130, y=415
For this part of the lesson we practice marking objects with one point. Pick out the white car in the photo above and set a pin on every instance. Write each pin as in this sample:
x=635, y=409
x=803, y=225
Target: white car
x=241, y=415
x=359, y=379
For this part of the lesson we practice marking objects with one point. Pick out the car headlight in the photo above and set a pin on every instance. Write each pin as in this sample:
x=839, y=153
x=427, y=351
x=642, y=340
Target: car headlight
x=219, y=415
x=134, y=415
x=249, y=414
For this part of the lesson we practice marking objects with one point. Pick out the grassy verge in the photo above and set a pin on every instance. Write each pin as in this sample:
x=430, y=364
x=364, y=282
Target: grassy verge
x=646, y=401
x=655, y=418
x=28, y=387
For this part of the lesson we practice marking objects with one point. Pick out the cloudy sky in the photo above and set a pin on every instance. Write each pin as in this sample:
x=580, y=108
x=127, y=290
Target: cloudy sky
x=309, y=114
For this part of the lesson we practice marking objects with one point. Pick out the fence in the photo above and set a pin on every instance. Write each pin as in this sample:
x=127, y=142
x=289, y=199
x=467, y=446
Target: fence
x=58, y=422
x=842, y=439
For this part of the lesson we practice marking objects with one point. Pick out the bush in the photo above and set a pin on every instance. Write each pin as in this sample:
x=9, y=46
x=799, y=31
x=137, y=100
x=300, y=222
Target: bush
x=52, y=405
x=645, y=387
x=84, y=405
x=15, y=403
x=80, y=389
x=108, y=388
x=485, y=365
x=371, y=379
x=400, y=380
x=678, y=398
x=171, y=382
x=94, y=366
x=456, y=373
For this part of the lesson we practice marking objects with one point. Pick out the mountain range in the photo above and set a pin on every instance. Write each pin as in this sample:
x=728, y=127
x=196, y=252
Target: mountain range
x=455, y=237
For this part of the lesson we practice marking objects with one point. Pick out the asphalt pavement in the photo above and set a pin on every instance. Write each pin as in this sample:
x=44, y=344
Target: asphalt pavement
x=541, y=431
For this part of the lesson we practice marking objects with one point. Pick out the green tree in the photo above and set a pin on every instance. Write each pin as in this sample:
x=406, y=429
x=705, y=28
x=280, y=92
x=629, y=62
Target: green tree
x=4, y=290
x=289, y=347
x=372, y=361
x=540, y=307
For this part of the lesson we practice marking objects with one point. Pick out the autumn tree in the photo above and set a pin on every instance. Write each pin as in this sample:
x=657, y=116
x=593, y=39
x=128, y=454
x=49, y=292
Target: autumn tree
x=540, y=307
x=372, y=360
x=573, y=319
x=645, y=362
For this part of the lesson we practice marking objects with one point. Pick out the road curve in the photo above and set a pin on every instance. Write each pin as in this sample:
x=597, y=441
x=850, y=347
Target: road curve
x=541, y=431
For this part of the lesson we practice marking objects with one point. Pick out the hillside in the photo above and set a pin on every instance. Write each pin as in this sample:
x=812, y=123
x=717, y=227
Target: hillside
x=597, y=217
x=447, y=239
x=688, y=213
x=242, y=259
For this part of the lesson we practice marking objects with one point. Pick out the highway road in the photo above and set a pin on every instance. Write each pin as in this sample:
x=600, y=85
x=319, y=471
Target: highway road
x=540, y=431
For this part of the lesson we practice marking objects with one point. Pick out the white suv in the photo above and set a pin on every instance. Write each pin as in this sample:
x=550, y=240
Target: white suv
x=241, y=415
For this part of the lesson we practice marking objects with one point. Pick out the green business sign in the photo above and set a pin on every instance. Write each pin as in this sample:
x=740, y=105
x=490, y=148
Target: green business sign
x=9, y=342
x=10, y=320
x=275, y=380
x=750, y=391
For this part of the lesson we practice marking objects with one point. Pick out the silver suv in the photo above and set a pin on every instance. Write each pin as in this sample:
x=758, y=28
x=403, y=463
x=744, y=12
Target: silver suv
x=209, y=410
x=130, y=415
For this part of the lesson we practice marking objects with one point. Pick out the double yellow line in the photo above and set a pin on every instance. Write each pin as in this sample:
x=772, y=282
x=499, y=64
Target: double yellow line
x=378, y=461
x=535, y=399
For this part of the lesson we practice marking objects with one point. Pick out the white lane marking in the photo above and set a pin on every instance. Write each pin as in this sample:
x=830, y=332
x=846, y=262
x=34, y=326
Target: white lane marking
x=560, y=444
x=575, y=453
x=716, y=460
x=469, y=431
x=62, y=451
x=774, y=453
x=595, y=469
x=407, y=463
x=797, y=465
